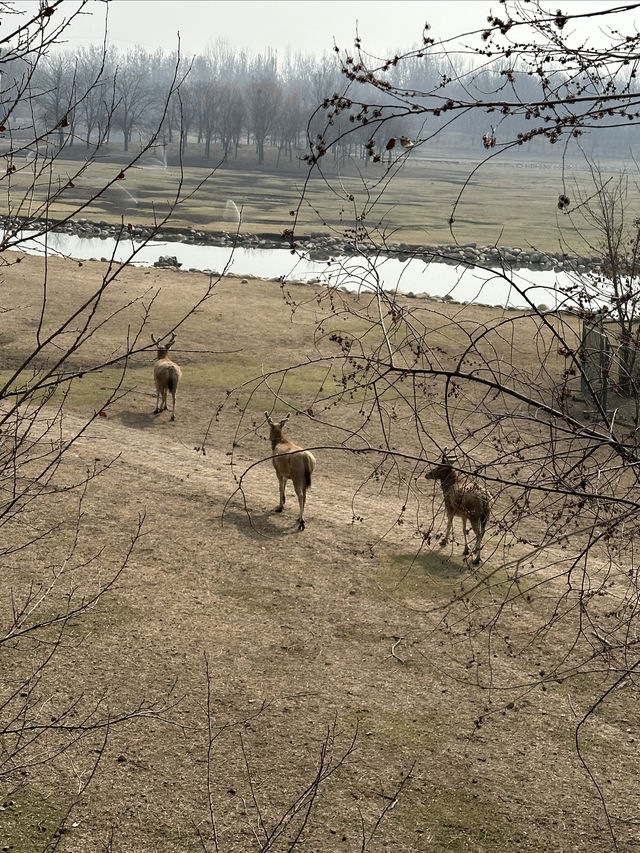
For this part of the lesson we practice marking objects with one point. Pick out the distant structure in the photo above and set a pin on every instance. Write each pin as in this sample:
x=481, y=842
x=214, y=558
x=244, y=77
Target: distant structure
x=231, y=213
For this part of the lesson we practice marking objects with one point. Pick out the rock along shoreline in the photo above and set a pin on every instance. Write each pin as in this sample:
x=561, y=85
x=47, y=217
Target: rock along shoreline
x=321, y=245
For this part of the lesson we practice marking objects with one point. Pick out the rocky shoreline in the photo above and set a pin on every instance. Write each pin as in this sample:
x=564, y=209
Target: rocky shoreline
x=321, y=245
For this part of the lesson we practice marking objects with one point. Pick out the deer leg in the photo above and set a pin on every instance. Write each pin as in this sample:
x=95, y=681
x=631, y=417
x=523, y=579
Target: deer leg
x=157, y=408
x=302, y=496
x=173, y=405
x=464, y=531
x=477, y=529
x=282, y=482
x=445, y=539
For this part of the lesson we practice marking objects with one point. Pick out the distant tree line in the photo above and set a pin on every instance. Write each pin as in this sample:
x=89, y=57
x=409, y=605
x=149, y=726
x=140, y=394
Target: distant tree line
x=228, y=98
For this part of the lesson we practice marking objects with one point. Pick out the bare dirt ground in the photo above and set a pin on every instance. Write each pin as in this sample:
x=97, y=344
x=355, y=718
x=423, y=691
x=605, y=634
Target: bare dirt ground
x=311, y=639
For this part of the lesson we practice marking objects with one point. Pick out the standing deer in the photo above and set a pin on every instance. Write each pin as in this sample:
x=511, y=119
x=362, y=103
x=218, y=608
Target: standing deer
x=464, y=498
x=166, y=375
x=291, y=463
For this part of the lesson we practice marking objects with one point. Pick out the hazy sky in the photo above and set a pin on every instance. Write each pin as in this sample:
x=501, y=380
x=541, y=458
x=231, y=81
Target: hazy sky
x=307, y=26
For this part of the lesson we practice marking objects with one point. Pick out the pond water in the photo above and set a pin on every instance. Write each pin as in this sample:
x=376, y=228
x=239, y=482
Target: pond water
x=462, y=283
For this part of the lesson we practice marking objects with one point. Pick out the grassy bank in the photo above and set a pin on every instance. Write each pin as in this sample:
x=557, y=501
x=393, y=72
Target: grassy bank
x=509, y=202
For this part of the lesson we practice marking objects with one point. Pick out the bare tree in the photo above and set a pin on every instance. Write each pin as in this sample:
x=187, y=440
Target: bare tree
x=56, y=84
x=207, y=101
x=230, y=117
x=134, y=92
x=263, y=96
x=95, y=80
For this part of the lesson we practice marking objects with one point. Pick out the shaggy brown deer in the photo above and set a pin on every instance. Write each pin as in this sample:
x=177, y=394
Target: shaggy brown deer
x=464, y=498
x=166, y=375
x=291, y=463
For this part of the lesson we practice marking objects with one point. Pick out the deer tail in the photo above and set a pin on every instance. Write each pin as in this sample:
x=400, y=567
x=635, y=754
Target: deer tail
x=308, y=468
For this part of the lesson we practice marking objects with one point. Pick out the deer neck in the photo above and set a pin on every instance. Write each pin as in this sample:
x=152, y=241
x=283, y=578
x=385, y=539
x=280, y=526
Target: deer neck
x=449, y=479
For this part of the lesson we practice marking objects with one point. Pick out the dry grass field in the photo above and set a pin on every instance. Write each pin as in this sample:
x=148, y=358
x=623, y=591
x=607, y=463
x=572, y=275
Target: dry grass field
x=271, y=656
x=508, y=202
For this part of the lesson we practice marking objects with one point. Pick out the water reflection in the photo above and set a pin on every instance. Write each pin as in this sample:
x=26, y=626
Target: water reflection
x=461, y=283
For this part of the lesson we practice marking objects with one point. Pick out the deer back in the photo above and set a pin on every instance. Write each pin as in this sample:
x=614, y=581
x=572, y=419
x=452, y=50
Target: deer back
x=289, y=459
x=462, y=496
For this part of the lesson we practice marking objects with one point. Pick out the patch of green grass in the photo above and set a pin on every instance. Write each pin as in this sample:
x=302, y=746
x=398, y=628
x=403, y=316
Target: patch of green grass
x=182, y=837
x=104, y=617
x=232, y=372
x=93, y=389
x=433, y=574
x=89, y=391
x=424, y=576
x=415, y=207
x=303, y=383
x=227, y=372
x=28, y=820
x=398, y=729
x=454, y=820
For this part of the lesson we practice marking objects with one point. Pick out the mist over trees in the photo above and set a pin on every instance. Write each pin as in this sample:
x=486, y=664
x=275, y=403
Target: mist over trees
x=229, y=98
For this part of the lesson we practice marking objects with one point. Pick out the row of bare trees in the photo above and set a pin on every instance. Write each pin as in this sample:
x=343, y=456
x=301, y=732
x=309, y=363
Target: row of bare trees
x=224, y=98
x=229, y=96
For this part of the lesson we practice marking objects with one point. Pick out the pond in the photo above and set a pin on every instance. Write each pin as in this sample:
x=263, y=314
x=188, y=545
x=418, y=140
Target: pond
x=461, y=283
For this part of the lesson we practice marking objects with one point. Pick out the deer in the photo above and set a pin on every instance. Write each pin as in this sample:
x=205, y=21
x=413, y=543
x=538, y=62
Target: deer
x=166, y=375
x=291, y=463
x=465, y=498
